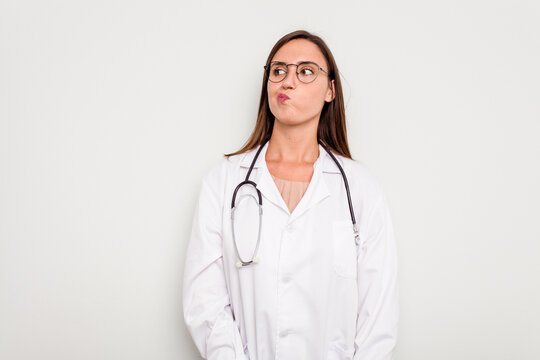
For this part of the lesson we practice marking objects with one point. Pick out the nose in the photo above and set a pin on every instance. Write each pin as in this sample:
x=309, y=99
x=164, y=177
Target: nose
x=291, y=79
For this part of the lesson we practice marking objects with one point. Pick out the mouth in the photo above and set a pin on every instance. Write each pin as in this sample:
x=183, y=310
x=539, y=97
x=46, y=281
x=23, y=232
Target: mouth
x=282, y=98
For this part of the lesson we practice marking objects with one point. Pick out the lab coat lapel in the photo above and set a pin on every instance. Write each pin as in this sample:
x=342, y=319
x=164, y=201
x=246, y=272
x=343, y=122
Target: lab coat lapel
x=315, y=193
x=268, y=188
x=263, y=178
x=317, y=189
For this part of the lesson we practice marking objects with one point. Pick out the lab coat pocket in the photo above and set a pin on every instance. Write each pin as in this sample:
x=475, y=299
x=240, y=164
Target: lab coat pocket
x=344, y=249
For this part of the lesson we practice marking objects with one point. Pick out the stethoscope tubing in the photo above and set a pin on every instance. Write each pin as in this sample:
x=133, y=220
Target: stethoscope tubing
x=254, y=258
x=346, y=182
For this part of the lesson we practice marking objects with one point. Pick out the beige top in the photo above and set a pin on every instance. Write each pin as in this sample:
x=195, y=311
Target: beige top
x=291, y=191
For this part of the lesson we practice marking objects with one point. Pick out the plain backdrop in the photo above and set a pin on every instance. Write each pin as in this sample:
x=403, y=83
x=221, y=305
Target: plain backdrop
x=112, y=111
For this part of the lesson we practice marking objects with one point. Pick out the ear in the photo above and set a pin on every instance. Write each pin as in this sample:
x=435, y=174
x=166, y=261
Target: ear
x=331, y=92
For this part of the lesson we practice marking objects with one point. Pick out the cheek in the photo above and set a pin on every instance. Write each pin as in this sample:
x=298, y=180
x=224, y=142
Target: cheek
x=313, y=99
x=272, y=100
x=272, y=92
x=272, y=89
x=307, y=99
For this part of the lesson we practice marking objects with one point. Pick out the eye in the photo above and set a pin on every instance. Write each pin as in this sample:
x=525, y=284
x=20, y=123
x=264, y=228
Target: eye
x=306, y=70
x=278, y=71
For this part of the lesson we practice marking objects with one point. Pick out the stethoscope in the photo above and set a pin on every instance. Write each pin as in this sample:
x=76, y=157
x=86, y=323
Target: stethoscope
x=258, y=199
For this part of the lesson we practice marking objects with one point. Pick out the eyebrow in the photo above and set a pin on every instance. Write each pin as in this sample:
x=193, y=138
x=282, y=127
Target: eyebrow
x=301, y=61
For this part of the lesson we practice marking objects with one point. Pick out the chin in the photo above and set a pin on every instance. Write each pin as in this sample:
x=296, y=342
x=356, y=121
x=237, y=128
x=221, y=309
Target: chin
x=289, y=121
x=285, y=118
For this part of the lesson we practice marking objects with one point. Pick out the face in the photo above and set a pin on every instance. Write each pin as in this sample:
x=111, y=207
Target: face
x=305, y=101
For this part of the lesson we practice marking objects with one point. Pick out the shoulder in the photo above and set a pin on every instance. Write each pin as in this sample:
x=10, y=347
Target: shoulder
x=359, y=175
x=222, y=173
x=365, y=187
x=367, y=192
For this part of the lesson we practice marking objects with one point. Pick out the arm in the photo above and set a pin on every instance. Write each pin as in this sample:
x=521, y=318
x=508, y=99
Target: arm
x=207, y=309
x=378, y=311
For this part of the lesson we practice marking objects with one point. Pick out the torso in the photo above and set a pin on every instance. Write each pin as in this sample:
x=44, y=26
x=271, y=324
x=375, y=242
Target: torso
x=291, y=191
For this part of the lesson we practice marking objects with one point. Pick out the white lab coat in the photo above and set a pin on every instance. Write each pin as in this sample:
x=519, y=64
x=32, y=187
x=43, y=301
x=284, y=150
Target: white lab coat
x=314, y=294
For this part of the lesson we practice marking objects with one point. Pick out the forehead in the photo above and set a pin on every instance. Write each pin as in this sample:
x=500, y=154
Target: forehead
x=299, y=50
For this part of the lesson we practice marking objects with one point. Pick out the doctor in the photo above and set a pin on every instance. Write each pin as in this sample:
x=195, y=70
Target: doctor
x=287, y=277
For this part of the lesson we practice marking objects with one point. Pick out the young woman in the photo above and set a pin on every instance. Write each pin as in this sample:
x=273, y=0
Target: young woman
x=292, y=253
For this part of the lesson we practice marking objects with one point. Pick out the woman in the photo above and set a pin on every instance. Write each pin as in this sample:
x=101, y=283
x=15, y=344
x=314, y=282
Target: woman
x=275, y=267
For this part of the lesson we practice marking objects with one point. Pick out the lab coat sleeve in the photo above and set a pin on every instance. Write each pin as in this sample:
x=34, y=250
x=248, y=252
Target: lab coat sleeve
x=378, y=310
x=207, y=310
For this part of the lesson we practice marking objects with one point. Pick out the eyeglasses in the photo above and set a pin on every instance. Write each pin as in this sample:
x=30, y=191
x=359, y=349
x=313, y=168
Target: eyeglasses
x=306, y=71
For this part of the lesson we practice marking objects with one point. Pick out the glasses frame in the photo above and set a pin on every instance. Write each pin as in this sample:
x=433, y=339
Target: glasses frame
x=267, y=71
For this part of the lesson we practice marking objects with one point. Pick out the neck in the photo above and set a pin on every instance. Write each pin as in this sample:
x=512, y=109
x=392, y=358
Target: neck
x=294, y=144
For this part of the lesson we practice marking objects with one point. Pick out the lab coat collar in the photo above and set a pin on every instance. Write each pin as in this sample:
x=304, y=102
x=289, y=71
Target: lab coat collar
x=316, y=191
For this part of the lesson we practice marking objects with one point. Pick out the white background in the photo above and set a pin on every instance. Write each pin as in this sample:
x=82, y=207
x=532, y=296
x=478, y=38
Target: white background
x=111, y=112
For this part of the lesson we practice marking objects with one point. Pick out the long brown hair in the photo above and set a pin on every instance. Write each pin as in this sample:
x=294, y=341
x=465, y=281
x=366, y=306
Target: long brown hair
x=332, y=130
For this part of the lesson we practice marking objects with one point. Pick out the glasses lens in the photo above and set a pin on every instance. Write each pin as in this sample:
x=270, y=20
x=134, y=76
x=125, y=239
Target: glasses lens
x=307, y=72
x=277, y=72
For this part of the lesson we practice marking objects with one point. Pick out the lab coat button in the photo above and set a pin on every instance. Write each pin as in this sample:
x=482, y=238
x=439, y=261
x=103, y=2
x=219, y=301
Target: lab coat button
x=284, y=333
x=286, y=279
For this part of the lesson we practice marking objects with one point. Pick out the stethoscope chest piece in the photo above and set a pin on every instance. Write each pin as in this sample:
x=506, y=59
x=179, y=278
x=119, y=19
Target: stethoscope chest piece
x=241, y=263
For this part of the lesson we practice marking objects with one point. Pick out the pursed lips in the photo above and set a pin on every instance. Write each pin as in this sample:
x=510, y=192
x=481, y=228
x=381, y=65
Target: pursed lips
x=282, y=97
